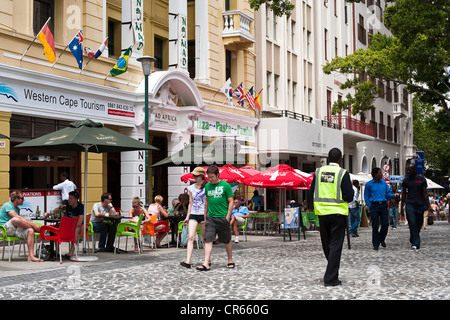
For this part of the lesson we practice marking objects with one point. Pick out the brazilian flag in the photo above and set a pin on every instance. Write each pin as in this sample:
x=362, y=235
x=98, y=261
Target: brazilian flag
x=122, y=64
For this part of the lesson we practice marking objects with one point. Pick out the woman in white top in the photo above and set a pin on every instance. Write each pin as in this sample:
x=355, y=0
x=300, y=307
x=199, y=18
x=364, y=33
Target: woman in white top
x=156, y=208
x=196, y=211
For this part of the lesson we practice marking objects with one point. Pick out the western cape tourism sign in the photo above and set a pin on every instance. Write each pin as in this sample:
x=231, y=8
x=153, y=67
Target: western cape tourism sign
x=52, y=101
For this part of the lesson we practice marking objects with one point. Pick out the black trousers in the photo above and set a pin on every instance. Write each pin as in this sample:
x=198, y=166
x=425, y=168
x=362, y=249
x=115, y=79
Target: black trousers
x=332, y=234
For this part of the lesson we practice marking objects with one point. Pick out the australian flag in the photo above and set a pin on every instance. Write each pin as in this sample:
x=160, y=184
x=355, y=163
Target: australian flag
x=76, y=46
x=239, y=93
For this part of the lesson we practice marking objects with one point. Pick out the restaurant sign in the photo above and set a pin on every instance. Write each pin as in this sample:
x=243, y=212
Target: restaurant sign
x=220, y=128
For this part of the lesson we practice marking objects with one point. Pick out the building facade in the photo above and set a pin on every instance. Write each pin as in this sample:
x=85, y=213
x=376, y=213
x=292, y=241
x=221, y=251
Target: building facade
x=299, y=96
x=197, y=46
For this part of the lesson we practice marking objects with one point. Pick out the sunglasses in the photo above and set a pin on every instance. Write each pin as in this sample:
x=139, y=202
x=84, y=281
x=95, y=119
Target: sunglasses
x=21, y=198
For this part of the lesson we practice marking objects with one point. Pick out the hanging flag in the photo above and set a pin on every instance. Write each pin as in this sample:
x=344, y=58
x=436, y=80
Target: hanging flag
x=45, y=36
x=227, y=90
x=239, y=93
x=76, y=46
x=90, y=53
x=258, y=100
x=122, y=64
x=100, y=50
x=250, y=98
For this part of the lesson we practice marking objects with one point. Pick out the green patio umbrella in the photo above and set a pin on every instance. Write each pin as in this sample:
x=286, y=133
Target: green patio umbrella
x=87, y=136
x=2, y=136
x=200, y=154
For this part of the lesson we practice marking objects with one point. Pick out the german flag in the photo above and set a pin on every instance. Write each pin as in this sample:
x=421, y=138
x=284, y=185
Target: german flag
x=46, y=38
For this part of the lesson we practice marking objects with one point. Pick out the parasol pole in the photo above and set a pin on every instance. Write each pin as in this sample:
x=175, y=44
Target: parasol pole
x=84, y=256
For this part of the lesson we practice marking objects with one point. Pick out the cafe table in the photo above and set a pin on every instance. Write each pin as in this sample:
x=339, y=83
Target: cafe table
x=174, y=220
x=264, y=218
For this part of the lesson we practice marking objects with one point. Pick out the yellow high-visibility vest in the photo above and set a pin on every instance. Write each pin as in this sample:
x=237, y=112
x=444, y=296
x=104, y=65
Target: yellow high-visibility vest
x=327, y=191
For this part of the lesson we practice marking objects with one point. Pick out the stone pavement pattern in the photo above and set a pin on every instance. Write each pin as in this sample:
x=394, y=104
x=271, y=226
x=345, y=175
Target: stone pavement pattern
x=266, y=268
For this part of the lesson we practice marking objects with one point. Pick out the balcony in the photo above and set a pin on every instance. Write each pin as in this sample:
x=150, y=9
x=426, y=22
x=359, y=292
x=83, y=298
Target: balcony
x=399, y=110
x=352, y=124
x=237, y=27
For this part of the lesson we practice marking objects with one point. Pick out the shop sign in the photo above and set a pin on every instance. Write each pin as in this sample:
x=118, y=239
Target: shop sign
x=2, y=145
x=223, y=128
x=182, y=42
x=165, y=118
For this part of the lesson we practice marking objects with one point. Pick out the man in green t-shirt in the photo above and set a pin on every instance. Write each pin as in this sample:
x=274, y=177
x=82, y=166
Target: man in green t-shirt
x=218, y=208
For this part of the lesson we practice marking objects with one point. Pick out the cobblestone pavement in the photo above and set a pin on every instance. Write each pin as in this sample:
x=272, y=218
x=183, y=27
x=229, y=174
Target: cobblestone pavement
x=267, y=268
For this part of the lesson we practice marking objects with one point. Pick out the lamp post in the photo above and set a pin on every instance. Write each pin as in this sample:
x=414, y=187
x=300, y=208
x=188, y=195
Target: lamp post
x=146, y=62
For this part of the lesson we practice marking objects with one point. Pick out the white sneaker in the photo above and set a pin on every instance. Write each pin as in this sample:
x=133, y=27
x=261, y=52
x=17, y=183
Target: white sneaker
x=236, y=240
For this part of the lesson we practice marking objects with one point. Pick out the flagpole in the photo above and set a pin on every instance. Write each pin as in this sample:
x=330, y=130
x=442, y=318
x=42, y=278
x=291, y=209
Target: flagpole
x=107, y=75
x=35, y=37
x=85, y=65
x=60, y=56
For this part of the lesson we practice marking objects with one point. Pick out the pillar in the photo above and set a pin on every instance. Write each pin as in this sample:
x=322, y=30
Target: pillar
x=5, y=148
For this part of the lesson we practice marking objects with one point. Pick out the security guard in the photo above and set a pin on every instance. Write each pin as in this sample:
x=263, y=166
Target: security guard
x=331, y=190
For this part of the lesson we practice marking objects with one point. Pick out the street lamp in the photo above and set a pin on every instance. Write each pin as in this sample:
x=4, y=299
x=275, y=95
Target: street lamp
x=146, y=62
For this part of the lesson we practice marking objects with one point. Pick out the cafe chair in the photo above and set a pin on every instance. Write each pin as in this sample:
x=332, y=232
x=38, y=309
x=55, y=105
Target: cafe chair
x=128, y=228
x=6, y=239
x=149, y=229
x=91, y=232
x=244, y=229
x=180, y=232
x=65, y=233
x=163, y=226
x=199, y=236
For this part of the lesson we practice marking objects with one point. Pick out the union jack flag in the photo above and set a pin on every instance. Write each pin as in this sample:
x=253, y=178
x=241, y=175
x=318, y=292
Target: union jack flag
x=250, y=98
x=239, y=93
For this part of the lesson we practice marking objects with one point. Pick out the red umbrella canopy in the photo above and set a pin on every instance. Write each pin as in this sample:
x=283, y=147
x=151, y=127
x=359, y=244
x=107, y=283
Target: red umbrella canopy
x=281, y=176
x=227, y=173
x=250, y=170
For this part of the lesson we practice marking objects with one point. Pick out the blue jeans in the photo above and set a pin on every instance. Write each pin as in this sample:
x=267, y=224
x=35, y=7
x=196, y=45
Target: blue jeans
x=393, y=217
x=355, y=218
x=380, y=222
x=414, y=214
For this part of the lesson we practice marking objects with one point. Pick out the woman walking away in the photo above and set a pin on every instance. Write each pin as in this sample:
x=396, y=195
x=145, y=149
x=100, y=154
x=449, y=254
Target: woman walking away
x=196, y=211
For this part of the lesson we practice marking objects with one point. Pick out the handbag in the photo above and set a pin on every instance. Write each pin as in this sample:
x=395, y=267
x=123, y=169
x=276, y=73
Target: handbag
x=430, y=220
x=184, y=235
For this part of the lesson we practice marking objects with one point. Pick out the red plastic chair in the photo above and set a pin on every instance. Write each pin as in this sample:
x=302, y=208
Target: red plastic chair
x=65, y=233
x=162, y=226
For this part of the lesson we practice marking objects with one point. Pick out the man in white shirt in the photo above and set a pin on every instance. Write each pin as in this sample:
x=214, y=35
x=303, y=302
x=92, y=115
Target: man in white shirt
x=66, y=186
x=354, y=211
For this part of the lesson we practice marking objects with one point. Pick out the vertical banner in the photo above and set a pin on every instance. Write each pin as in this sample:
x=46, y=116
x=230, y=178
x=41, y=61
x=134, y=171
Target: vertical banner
x=182, y=42
x=420, y=161
x=137, y=23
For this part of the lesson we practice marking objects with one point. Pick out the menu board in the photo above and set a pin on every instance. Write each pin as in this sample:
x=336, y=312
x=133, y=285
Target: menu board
x=291, y=220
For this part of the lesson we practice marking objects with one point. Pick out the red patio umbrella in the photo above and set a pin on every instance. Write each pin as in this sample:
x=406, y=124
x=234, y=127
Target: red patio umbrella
x=227, y=173
x=281, y=176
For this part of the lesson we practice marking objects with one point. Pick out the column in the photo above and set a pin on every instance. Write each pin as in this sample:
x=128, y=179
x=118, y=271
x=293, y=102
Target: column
x=201, y=42
x=4, y=156
x=175, y=142
x=132, y=179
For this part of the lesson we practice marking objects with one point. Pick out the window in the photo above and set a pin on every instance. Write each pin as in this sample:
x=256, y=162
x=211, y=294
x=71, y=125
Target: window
x=42, y=10
x=276, y=84
x=158, y=53
x=191, y=58
x=326, y=43
x=269, y=83
x=336, y=47
x=227, y=64
x=114, y=41
x=329, y=105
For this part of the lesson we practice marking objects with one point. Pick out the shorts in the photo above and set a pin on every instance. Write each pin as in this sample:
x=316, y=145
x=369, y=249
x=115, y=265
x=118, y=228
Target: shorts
x=219, y=226
x=239, y=220
x=197, y=217
x=12, y=231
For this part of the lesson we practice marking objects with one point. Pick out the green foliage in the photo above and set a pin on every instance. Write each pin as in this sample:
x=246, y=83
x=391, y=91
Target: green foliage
x=279, y=7
x=416, y=55
x=432, y=135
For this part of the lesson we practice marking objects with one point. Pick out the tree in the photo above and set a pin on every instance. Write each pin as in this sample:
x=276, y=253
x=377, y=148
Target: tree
x=279, y=7
x=432, y=135
x=417, y=55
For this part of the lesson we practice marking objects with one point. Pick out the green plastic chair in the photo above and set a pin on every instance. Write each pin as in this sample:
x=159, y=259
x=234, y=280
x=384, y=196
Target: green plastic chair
x=179, y=231
x=135, y=230
x=5, y=238
x=244, y=229
x=199, y=235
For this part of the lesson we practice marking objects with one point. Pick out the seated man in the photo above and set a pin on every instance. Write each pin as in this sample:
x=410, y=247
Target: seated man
x=107, y=230
x=238, y=216
x=74, y=209
x=17, y=226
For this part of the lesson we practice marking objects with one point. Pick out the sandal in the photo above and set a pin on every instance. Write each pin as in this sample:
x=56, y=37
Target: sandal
x=202, y=268
x=184, y=264
x=231, y=265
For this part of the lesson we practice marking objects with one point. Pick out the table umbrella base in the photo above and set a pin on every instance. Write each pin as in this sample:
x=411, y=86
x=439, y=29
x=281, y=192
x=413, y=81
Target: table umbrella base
x=84, y=258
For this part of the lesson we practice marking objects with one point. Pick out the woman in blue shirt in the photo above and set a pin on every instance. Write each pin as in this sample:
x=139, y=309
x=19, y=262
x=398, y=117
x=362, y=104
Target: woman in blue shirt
x=376, y=194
